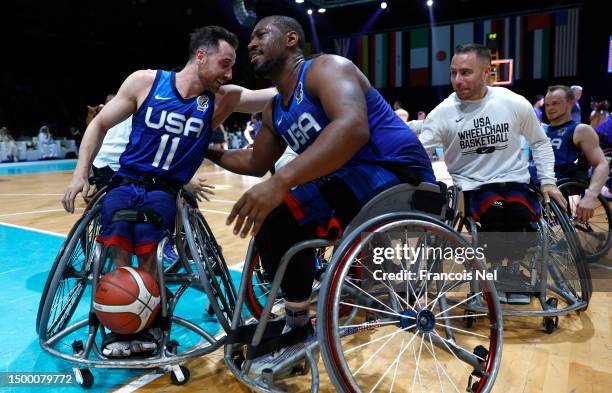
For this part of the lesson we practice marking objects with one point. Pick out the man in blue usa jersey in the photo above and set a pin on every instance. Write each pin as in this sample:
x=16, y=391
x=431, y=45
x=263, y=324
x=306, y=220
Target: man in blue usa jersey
x=173, y=118
x=576, y=148
x=350, y=145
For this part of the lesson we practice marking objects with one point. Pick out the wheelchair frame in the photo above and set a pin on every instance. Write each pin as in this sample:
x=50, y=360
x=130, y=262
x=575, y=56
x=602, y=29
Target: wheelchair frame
x=391, y=207
x=201, y=262
x=575, y=188
x=549, y=311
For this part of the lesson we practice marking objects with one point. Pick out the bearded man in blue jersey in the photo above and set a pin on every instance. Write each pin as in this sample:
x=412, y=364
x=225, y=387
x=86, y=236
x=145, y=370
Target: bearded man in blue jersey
x=173, y=118
x=350, y=146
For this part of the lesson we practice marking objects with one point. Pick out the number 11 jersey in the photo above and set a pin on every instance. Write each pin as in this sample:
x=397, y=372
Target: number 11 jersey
x=170, y=135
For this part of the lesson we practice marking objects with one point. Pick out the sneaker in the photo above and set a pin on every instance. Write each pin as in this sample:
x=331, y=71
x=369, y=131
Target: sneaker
x=170, y=254
x=273, y=359
x=519, y=298
x=146, y=341
x=116, y=346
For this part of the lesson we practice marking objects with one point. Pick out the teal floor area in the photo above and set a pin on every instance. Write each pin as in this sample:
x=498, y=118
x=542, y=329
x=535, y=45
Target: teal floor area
x=25, y=259
x=26, y=168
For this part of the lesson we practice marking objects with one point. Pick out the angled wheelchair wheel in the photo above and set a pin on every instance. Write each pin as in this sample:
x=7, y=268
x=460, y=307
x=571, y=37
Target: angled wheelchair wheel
x=595, y=236
x=70, y=273
x=569, y=272
x=407, y=332
x=205, y=252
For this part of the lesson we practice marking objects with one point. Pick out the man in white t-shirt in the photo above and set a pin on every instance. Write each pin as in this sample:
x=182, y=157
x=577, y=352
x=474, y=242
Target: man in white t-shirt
x=479, y=127
x=106, y=162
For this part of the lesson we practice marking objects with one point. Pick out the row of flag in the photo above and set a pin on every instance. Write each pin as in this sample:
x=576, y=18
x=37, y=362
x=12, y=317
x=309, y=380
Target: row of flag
x=542, y=45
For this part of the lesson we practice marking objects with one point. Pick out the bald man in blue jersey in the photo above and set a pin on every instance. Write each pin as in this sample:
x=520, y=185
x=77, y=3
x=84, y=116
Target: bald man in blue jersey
x=173, y=118
x=350, y=145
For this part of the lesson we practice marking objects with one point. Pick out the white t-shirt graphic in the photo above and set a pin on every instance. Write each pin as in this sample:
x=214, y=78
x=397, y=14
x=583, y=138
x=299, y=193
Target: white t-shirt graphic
x=481, y=139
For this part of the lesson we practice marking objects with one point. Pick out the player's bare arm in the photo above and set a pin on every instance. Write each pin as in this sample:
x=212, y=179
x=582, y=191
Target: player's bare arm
x=233, y=98
x=336, y=84
x=131, y=94
x=587, y=141
x=267, y=148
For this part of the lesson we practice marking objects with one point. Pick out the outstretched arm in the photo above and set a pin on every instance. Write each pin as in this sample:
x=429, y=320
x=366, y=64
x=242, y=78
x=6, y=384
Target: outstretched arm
x=117, y=110
x=257, y=161
x=588, y=141
x=233, y=98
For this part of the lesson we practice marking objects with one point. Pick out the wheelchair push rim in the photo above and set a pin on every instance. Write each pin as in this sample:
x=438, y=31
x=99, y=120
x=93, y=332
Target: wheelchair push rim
x=415, y=321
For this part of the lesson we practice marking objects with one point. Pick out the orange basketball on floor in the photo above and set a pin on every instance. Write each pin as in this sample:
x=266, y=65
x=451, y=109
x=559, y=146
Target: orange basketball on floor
x=126, y=300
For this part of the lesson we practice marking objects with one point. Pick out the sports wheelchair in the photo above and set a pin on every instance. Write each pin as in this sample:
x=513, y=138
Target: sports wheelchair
x=374, y=313
x=595, y=236
x=68, y=328
x=554, y=270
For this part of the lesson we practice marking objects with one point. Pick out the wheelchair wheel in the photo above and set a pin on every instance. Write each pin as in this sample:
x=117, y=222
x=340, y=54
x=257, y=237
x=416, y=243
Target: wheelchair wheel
x=566, y=263
x=214, y=274
x=69, y=275
x=452, y=207
x=595, y=236
x=417, y=322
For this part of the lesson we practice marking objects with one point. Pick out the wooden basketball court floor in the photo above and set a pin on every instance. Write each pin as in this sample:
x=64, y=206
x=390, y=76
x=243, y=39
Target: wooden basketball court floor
x=575, y=358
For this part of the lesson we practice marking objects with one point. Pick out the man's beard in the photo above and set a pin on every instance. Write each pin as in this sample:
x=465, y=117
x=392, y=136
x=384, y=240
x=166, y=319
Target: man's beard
x=267, y=67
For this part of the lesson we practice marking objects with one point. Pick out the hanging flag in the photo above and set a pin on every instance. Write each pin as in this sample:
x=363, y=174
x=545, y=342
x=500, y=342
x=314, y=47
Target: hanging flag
x=381, y=60
x=506, y=51
x=440, y=55
x=307, y=49
x=566, y=42
x=363, y=55
x=486, y=29
x=538, y=28
x=419, y=55
x=479, y=32
x=463, y=33
x=395, y=59
x=519, y=47
x=342, y=45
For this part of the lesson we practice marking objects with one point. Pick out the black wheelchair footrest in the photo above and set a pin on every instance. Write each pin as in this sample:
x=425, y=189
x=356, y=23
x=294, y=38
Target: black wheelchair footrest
x=294, y=336
x=244, y=334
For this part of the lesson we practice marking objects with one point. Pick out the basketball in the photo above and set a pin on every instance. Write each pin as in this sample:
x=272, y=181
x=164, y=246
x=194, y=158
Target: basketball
x=126, y=300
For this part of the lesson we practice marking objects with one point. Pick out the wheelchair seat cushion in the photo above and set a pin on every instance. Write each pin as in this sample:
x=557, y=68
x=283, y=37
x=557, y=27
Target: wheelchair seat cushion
x=480, y=200
x=308, y=202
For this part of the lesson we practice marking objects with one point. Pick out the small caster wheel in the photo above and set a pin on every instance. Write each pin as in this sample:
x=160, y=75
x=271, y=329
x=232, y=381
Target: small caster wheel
x=172, y=346
x=84, y=377
x=77, y=346
x=550, y=324
x=180, y=375
x=552, y=302
x=469, y=319
x=238, y=359
x=473, y=387
x=482, y=353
